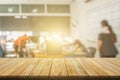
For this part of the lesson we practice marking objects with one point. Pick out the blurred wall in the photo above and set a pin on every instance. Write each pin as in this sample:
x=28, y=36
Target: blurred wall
x=36, y=24
x=52, y=24
x=12, y=24
x=86, y=18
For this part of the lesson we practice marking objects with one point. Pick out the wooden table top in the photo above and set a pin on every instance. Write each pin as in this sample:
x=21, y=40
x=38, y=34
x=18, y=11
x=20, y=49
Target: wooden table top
x=60, y=67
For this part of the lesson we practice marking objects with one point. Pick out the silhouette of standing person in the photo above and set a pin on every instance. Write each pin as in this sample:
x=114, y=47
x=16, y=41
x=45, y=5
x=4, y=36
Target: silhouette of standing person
x=20, y=44
x=106, y=41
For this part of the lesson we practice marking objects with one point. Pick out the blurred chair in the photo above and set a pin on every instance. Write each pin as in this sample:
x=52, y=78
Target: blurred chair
x=92, y=51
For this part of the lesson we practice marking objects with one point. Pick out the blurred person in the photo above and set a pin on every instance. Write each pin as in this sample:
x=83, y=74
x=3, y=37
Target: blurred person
x=28, y=51
x=1, y=51
x=42, y=45
x=3, y=45
x=106, y=41
x=77, y=46
x=20, y=44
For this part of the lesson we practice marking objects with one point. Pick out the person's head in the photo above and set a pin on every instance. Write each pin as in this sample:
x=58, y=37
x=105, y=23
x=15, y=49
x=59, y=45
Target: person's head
x=24, y=37
x=104, y=23
x=77, y=42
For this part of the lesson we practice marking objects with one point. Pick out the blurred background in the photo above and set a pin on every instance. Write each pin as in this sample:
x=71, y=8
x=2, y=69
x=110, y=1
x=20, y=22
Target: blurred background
x=53, y=26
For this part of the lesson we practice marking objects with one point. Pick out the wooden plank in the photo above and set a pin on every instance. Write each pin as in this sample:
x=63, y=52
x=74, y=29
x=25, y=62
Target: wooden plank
x=12, y=67
x=111, y=69
x=93, y=69
x=36, y=71
x=79, y=69
x=47, y=67
x=3, y=61
x=58, y=68
x=70, y=68
x=74, y=68
x=21, y=68
x=114, y=61
x=40, y=67
x=103, y=67
x=6, y=70
x=6, y=62
x=30, y=67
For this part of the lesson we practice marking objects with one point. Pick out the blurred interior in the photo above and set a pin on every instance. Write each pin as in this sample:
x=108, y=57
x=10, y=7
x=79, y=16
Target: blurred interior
x=52, y=25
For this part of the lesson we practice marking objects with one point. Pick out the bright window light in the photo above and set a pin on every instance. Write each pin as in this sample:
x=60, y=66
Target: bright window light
x=10, y=10
x=24, y=17
x=17, y=17
x=34, y=10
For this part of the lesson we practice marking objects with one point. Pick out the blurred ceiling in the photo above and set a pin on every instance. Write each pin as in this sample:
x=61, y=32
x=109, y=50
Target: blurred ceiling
x=35, y=1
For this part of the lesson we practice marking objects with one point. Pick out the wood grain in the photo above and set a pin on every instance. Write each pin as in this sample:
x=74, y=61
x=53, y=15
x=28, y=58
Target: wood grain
x=58, y=68
x=62, y=68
